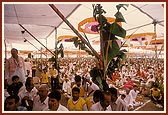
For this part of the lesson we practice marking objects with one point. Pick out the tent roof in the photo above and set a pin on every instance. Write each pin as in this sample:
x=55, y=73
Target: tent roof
x=41, y=21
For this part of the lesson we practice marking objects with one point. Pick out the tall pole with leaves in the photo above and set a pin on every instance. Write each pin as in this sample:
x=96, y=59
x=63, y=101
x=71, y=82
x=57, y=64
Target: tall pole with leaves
x=109, y=47
x=111, y=52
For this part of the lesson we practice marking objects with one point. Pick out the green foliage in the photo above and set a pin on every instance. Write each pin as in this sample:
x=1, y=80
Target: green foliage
x=99, y=80
x=111, y=51
x=52, y=59
x=58, y=51
x=118, y=30
x=119, y=6
x=79, y=44
x=76, y=42
x=119, y=17
x=121, y=54
x=97, y=10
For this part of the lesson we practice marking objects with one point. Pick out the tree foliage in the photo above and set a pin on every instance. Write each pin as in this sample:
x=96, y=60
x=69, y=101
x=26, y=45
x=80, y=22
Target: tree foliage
x=109, y=32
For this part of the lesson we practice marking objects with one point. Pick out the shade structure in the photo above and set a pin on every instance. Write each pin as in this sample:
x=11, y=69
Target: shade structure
x=45, y=25
x=67, y=38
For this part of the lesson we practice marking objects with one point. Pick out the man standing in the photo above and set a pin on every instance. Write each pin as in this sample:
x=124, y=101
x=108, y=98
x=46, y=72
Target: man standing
x=34, y=69
x=15, y=66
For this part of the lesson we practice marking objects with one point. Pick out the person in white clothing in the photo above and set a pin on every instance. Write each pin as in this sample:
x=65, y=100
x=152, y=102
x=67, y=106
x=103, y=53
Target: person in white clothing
x=119, y=83
x=121, y=104
x=40, y=102
x=103, y=104
x=135, y=95
x=66, y=86
x=150, y=80
x=53, y=102
x=134, y=92
x=90, y=87
x=28, y=67
x=129, y=100
x=15, y=66
x=27, y=93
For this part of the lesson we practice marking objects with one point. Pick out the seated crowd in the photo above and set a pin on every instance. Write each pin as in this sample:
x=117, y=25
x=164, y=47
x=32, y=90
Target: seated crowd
x=71, y=88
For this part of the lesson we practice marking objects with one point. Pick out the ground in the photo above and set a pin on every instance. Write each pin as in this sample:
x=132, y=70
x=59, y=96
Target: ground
x=149, y=106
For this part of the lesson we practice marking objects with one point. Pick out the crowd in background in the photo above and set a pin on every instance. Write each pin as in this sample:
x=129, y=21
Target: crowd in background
x=34, y=85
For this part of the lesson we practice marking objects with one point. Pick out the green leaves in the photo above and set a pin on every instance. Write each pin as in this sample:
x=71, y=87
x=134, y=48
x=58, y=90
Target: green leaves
x=118, y=30
x=99, y=80
x=102, y=19
x=97, y=10
x=52, y=59
x=81, y=45
x=76, y=42
x=119, y=17
x=112, y=50
x=121, y=54
x=122, y=6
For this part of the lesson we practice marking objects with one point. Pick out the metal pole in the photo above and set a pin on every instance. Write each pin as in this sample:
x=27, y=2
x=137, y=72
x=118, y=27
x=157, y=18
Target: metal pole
x=5, y=49
x=155, y=22
x=56, y=53
x=33, y=45
x=36, y=39
x=46, y=50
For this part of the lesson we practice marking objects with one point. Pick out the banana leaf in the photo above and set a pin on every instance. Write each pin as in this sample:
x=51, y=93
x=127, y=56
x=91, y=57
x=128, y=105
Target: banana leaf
x=119, y=17
x=118, y=30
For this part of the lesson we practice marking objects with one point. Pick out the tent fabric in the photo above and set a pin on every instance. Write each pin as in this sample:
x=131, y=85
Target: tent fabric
x=46, y=25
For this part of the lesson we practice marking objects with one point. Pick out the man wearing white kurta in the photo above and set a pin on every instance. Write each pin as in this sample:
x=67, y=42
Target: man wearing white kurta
x=128, y=99
x=40, y=102
x=103, y=104
x=15, y=66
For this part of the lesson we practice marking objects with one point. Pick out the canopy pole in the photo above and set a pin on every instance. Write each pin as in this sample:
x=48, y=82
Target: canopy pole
x=56, y=52
x=25, y=40
x=36, y=39
x=73, y=29
x=5, y=49
x=155, y=22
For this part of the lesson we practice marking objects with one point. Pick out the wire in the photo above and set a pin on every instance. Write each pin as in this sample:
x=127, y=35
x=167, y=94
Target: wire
x=17, y=17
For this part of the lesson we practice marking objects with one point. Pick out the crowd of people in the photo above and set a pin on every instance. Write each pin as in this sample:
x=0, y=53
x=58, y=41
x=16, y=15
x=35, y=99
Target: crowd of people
x=30, y=87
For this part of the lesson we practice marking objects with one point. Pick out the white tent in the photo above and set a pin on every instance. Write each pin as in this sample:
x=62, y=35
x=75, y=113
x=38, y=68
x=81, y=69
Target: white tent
x=45, y=25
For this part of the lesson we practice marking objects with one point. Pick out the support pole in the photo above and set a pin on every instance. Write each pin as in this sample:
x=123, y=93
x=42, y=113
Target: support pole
x=155, y=22
x=5, y=49
x=56, y=52
x=36, y=39
x=33, y=45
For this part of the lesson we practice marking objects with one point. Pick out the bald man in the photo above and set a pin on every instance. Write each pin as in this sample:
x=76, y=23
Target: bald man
x=40, y=102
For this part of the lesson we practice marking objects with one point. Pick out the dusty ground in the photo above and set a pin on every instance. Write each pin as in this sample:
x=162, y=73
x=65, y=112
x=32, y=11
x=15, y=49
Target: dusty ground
x=150, y=106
